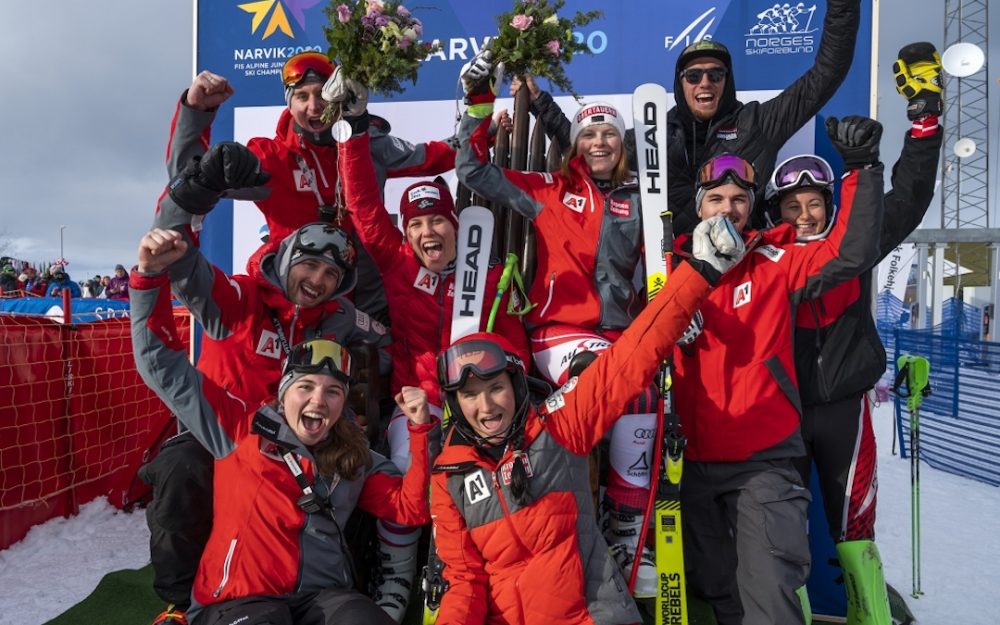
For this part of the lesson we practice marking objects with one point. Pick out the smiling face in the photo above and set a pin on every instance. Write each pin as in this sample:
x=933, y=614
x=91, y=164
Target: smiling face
x=728, y=199
x=704, y=97
x=805, y=209
x=312, y=282
x=306, y=106
x=433, y=239
x=601, y=147
x=488, y=405
x=312, y=404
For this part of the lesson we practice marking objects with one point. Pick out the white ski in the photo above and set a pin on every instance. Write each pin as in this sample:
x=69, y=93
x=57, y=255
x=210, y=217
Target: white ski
x=649, y=114
x=472, y=263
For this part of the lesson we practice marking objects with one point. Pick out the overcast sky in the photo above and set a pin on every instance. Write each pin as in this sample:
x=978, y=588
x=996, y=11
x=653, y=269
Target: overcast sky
x=89, y=89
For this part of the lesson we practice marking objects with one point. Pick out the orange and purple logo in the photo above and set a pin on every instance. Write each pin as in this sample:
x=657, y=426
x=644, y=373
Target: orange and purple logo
x=275, y=13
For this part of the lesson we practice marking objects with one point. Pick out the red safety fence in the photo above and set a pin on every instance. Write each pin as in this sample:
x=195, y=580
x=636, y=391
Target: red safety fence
x=76, y=420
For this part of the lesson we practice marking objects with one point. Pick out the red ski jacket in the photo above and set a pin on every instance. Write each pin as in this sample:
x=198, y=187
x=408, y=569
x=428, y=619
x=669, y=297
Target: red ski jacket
x=420, y=301
x=262, y=542
x=735, y=387
x=547, y=562
x=588, y=245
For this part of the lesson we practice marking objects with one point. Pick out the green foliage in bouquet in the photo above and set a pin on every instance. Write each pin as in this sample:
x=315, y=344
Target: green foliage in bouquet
x=534, y=40
x=376, y=42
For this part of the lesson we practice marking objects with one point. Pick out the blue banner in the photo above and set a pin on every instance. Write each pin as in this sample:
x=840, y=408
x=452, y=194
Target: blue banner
x=84, y=309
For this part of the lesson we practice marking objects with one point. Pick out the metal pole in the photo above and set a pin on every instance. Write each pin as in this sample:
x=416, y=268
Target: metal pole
x=62, y=254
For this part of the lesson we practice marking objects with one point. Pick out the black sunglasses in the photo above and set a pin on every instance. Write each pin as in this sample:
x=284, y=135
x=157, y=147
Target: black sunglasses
x=693, y=75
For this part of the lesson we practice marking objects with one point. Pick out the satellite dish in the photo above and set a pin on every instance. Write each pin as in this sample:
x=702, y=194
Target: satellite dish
x=963, y=59
x=964, y=147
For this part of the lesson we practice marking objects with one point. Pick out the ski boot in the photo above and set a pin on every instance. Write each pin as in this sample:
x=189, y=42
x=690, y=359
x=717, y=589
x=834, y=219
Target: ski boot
x=622, y=534
x=867, y=598
x=171, y=616
x=394, y=578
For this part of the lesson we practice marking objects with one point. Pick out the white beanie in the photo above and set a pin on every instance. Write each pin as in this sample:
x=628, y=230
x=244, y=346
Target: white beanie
x=593, y=114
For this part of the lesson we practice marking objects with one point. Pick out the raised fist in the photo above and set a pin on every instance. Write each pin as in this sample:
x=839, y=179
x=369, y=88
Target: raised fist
x=856, y=138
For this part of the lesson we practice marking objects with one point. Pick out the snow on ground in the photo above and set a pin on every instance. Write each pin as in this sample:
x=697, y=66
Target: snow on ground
x=59, y=563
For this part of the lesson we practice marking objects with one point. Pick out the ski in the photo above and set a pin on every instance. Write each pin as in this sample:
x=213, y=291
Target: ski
x=472, y=265
x=649, y=112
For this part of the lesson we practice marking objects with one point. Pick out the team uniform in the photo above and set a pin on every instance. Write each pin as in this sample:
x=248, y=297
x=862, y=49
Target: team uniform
x=546, y=561
x=262, y=542
x=737, y=397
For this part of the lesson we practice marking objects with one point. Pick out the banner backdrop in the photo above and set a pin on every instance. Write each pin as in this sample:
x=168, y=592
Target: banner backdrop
x=639, y=41
x=635, y=42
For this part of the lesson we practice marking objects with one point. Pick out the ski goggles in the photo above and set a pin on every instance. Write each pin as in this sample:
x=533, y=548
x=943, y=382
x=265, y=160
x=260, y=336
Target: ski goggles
x=727, y=167
x=320, y=356
x=481, y=358
x=296, y=68
x=804, y=170
x=694, y=74
x=325, y=240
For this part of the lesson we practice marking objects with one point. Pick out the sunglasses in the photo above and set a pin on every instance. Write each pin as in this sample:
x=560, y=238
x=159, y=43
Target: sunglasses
x=320, y=356
x=693, y=75
x=296, y=68
x=484, y=359
x=727, y=167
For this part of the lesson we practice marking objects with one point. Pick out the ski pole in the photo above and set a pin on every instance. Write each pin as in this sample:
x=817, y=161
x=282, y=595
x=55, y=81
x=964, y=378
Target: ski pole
x=914, y=373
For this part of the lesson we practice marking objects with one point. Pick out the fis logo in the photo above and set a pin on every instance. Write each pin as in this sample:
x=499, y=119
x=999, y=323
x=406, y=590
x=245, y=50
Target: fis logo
x=683, y=39
x=275, y=14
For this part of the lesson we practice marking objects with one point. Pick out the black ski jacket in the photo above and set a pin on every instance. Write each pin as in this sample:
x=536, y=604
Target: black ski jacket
x=838, y=352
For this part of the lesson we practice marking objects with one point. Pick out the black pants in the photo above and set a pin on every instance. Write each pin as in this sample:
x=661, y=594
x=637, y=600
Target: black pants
x=326, y=607
x=180, y=515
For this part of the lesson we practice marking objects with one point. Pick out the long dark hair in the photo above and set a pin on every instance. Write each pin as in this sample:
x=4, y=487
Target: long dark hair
x=345, y=450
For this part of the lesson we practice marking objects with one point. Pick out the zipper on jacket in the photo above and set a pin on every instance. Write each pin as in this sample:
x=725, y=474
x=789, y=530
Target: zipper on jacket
x=225, y=568
x=552, y=286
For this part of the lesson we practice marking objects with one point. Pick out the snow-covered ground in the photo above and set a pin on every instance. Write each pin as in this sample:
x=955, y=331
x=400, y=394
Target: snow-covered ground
x=59, y=563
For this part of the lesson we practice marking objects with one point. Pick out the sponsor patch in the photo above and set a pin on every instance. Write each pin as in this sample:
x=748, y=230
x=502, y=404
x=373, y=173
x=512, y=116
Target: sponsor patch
x=378, y=327
x=475, y=487
x=268, y=345
x=546, y=176
x=423, y=191
x=741, y=295
x=401, y=145
x=622, y=208
x=726, y=134
x=597, y=109
x=303, y=180
x=507, y=468
x=574, y=202
x=427, y=281
x=363, y=320
x=555, y=401
x=770, y=252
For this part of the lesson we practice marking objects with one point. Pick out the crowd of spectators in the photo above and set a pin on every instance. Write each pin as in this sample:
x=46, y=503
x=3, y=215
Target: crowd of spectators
x=29, y=282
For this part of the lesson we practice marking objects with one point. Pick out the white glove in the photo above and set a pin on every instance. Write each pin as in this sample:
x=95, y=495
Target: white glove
x=716, y=242
x=693, y=330
x=477, y=71
x=352, y=94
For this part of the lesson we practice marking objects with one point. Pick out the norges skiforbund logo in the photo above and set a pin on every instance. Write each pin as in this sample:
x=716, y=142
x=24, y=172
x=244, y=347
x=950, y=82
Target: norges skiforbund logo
x=273, y=15
x=782, y=28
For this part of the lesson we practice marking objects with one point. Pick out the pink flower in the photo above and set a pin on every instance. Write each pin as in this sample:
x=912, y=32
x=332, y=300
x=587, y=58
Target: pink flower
x=553, y=47
x=376, y=6
x=402, y=11
x=418, y=27
x=522, y=22
x=343, y=13
x=403, y=43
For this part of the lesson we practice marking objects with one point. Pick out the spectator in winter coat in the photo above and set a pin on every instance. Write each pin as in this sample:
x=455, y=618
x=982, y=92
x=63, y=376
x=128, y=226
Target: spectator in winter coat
x=513, y=516
x=294, y=291
x=289, y=473
x=33, y=283
x=118, y=286
x=9, y=282
x=736, y=393
x=418, y=269
x=302, y=157
x=60, y=282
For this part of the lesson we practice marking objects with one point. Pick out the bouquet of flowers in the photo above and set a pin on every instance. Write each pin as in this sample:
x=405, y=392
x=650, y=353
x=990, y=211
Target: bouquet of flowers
x=534, y=40
x=376, y=42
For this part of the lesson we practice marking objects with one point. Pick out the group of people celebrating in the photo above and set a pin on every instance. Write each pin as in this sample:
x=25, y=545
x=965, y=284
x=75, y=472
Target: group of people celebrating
x=766, y=316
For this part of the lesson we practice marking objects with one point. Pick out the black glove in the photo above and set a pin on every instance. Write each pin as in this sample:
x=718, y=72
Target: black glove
x=227, y=165
x=856, y=138
x=918, y=79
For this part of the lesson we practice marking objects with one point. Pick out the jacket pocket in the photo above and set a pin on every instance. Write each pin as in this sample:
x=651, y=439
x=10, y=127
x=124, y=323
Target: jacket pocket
x=785, y=509
x=226, y=565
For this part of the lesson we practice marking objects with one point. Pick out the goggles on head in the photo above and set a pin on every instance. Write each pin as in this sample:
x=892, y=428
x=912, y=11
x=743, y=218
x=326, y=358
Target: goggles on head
x=324, y=240
x=805, y=170
x=481, y=358
x=727, y=167
x=693, y=75
x=320, y=356
x=296, y=68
